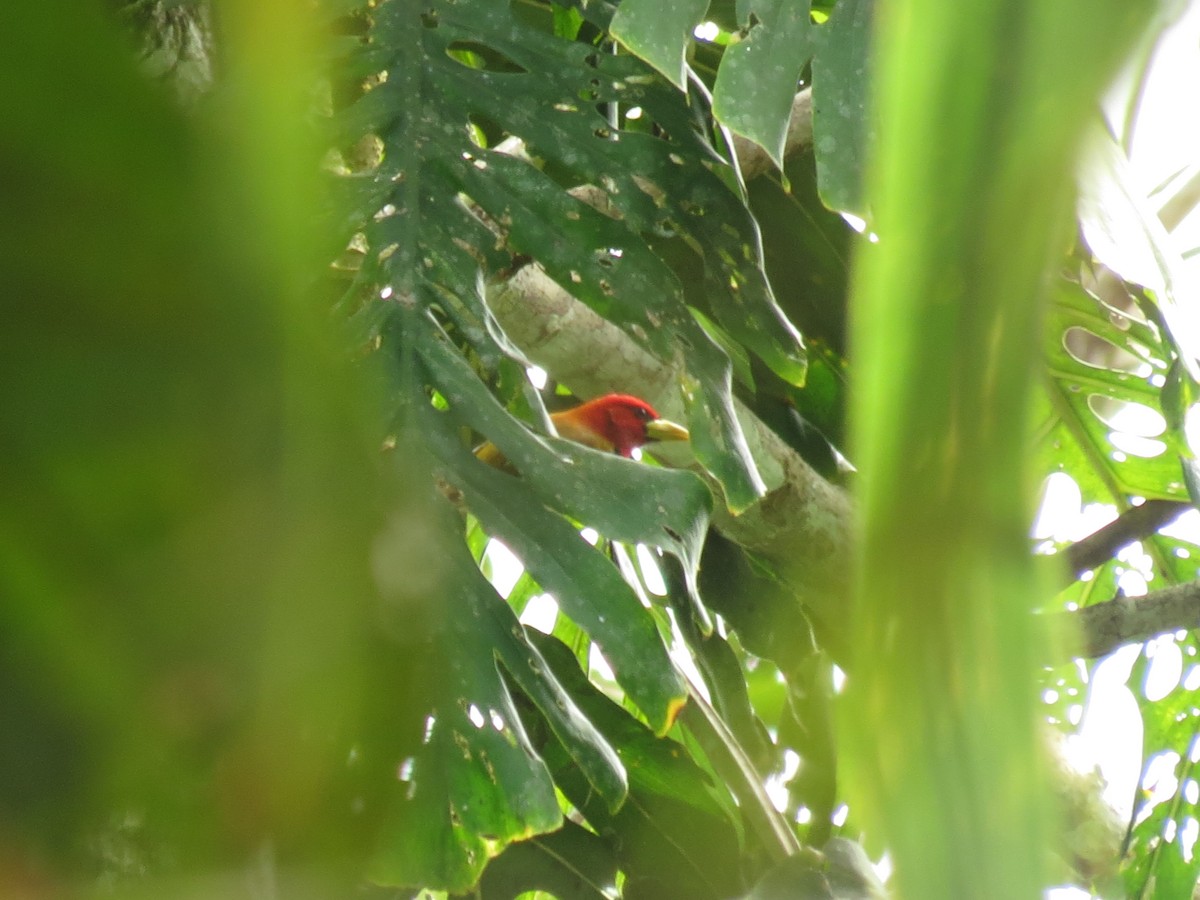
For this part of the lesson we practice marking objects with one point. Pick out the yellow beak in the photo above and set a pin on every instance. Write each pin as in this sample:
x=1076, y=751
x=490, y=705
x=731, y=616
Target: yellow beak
x=666, y=430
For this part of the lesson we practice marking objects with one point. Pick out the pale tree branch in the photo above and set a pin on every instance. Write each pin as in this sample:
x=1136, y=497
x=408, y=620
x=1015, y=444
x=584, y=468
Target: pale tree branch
x=1098, y=630
x=804, y=522
x=803, y=525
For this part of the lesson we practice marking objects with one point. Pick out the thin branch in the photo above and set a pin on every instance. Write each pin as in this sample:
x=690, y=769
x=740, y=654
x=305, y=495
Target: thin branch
x=1132, y=525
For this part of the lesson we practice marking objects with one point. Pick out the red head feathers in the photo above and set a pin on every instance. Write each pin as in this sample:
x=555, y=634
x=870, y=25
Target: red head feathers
x=615, y=423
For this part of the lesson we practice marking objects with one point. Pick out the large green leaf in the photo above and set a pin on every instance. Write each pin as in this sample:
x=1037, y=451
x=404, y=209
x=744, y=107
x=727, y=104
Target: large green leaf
x=519, y=81
x=1152, y=363
x=587, y=587
x=456, y=808
x=1125, y=234
x=571, y=862
x=970, y=187
x=842, y=127
x=1097, y=359
x=659, y=31
x=757, y=80
x=477, y=783
x=678, y=833
x=656, y=506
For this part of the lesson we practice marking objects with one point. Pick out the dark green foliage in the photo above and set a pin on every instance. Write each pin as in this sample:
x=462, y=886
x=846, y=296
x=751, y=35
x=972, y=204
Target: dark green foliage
x=238, y=638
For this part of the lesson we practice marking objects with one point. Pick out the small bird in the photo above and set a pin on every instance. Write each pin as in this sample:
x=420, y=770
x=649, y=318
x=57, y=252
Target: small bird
x=614, y=423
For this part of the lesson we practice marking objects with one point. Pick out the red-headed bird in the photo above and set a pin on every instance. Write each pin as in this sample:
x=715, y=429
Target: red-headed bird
x=614, y=423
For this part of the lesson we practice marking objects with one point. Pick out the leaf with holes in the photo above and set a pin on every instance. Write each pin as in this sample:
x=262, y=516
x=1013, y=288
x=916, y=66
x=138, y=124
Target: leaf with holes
x=585, y=583
x=1156, y=839
x=661, y=507
x=476, y=783
x=1126, y=235
x=463, y=76
x=1104, y=369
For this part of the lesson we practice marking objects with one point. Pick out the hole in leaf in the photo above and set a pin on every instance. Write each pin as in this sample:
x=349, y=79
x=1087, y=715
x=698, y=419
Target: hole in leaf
x=429, y=18
x=1091, y=349
x=486, y=131
x=1061, y=501
x=1133, y=445
x=475, y=55
x=1127, y=417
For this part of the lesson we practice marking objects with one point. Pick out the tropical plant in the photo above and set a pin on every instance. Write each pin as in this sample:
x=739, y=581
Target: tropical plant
x=261, y=625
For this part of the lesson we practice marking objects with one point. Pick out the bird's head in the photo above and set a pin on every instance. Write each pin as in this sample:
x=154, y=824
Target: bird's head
x=618, y=423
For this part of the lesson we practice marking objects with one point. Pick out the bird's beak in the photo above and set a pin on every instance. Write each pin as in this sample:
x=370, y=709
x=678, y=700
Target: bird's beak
x=665, y=430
